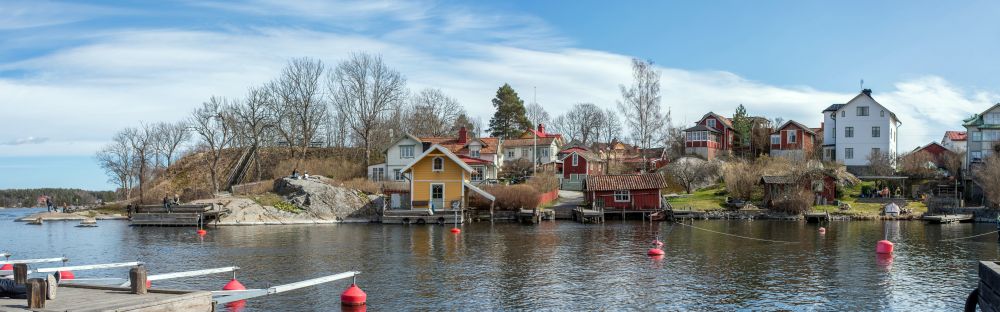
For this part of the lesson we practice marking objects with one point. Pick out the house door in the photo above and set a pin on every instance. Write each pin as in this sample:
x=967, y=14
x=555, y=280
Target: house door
x=437, y=196
x=396, y=201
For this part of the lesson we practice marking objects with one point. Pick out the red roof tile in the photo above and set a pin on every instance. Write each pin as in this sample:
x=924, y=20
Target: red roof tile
x=614, y=182
x=460, y=149
x=956, y=135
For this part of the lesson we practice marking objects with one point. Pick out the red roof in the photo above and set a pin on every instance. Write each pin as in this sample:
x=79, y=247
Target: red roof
x=956, y=135
x=454, y=146
x=473, y=160
x=613, y=182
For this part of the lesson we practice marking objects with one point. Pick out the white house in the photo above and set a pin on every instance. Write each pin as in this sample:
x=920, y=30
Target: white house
x=399, y=154
x=546, y=146
x=854, y=130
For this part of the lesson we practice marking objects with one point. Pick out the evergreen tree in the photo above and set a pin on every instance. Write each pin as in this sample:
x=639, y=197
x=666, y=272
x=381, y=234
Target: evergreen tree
x=742, y=125
x=510, y=120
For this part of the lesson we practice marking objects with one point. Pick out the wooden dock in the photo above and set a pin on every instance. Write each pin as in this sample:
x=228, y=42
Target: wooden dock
x=423, y=216
x=940, y=219
x=987, y=294
x=71, y=297
x=816, y=217
x=588, y=215
x=179, y=215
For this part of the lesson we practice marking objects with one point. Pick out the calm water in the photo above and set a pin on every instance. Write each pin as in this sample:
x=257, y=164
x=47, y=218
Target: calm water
x=552, y=266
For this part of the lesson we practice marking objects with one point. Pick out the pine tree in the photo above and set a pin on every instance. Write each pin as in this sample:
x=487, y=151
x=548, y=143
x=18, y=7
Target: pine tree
x=742, y=125
x=509, y=121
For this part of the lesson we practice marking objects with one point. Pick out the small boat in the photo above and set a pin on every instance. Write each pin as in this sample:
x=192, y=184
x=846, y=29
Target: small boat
x=88, y=222
x=37, y=221
x=658, y=216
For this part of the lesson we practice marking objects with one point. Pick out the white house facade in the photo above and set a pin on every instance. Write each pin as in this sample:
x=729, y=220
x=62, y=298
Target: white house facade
x=858, y=128
x=399, y=155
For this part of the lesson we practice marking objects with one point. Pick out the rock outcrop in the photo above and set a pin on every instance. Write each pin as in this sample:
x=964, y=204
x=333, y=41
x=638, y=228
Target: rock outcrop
x=320, y=203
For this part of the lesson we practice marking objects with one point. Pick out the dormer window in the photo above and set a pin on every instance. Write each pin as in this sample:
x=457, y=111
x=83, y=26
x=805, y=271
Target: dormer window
x=437, y=164
x=474, y=151
x=711, y=123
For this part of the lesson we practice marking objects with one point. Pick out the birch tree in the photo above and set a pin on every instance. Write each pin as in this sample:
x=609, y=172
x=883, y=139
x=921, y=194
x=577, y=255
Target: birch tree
x=141, y=140
x=171, y=137
x=610, y=129
x=363, y=89
x=432, y=113
x=255, y=121
x=640, y=104
x=117, y=160
x=298, y=105
x=213, y=124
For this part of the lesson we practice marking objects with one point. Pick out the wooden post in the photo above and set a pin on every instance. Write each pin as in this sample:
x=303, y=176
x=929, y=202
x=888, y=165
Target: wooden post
x=137, y=280
x=20, y=273
x=35, y=289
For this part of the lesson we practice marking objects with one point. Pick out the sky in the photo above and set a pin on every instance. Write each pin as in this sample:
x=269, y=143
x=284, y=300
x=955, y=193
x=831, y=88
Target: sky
x=72, y=73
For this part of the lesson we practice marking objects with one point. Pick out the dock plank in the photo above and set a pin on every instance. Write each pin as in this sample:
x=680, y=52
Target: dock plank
x=88, y=298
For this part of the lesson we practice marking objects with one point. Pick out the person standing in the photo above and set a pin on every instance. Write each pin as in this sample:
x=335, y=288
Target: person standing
x=177, y=199
x=48, y=204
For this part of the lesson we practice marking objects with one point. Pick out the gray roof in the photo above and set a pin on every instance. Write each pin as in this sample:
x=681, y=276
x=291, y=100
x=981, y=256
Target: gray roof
x=834, y=107
x=777, y=179
x=700, y=128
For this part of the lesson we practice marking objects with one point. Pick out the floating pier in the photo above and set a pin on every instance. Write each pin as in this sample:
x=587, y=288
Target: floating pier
x=940, y=219
x=179, y=215
x=817, y=217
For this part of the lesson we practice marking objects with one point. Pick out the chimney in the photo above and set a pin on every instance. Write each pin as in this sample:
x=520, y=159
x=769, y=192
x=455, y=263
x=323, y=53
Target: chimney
x=463, y=135
x=541, y=129
x=867, y=92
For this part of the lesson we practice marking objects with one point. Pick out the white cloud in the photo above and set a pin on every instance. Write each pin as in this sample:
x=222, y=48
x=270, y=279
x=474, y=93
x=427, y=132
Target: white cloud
x=27, y=140
x=84, y=93
x=29, y=14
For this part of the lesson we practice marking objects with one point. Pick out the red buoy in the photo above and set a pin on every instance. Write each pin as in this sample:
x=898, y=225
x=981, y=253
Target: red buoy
x=149, y=284
x=655, y=252
x=456, y=230
x=7, y=267
x=66, y=275
x=883, y=247
x=353, y=296
x=202, y=232
x=822, y=230
x=656, y=258
x=235, y=285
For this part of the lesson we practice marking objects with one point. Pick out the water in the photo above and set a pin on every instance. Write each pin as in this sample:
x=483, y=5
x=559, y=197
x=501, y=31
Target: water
x=552, y=266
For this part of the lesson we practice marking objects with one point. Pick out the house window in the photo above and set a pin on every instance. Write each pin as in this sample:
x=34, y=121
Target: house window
x=991, y=135
x=406, y=151
x=437, y=164
x=791, y=135
x=977, y=136
x=843, y=113
x=881, y=113
x=622, y=196
x=525, y=152
x=711, y=123
x=510, y=153
x=849, y=153
x=397, y=174
x=544, y=152
x=992, y=119
x=378, y=174
x=862, y=110
x=697, y=136
x=479, y=174
x=876, y=132
x=848, y=132
x=976, y=156
x=576, y=159
x=876, y=151
x=775, y=139
x=474, y=151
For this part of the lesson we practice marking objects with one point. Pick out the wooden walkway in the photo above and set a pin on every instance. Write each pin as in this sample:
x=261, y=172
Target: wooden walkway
x=939, y=219
x=816, y=217
x=179, y=215
x=71, y=297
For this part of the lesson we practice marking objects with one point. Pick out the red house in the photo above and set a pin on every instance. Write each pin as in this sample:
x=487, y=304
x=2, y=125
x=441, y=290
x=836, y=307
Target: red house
x=793, y=140
x=625, y=191
x=578, y=163
x=711, y=135
x=937, y=151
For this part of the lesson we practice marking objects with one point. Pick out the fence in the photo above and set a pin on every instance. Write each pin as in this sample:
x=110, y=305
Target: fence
x=548, y=197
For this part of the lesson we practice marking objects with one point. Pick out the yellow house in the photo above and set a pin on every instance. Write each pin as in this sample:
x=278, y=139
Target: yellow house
x=440, y=180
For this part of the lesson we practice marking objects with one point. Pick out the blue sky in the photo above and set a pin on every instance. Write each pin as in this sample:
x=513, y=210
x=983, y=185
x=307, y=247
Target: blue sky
x=74, y=72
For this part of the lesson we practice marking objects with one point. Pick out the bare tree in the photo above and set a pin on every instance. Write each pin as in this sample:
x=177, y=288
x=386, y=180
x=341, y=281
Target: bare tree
x=741, y=177
x=987, y=176
x=581, y=123
x=255, y=121
x=691, y=172
x=609, y=130
x=918, y=165
x=141, y=140
x=432, y=113
x=536, y=114
x=640, y=105
x=117, y=160
x=881, y=163
x=298, y=104
x=569, y=128
x=170, y=138
x=363, y=89
x=213, y=124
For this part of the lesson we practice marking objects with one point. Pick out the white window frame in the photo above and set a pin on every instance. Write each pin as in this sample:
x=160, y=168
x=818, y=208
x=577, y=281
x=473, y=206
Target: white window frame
x=398, y=174
x=378, y=174
x=849, y=153
x=775, y=139
x=975, y=155
x=478, y=173
x=526, y=152
x=474, y=151
x=843, y=113
x=576, y=159
x=791, y=135
x=977, y=136
x=863, y=111
x=881, y=113
x=710, y=123
x=848, y=132
x=510, y=153
x=991, y=119
x=876, y=132
x=623, y=196
x=403, y=151
x=435, y=162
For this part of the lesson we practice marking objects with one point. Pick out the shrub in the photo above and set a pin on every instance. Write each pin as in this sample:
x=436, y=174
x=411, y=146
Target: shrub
x=510, y=197
x=793, y=201
x=335, y=168
x=543, y=183
x=276, y=201
x=358, y=184
x=741, y=178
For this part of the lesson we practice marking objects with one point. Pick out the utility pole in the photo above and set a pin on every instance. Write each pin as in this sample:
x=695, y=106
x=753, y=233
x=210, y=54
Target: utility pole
x=534, y=152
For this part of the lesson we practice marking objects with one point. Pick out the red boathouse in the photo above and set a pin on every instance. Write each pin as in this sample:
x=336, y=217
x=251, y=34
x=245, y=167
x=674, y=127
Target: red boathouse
x=625, y=191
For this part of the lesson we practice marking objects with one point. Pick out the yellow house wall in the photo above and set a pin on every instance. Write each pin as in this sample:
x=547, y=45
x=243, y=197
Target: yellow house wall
x=424, y=176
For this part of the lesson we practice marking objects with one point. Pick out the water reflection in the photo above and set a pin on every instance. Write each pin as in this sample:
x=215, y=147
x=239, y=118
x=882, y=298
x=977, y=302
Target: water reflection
x=552, y=265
